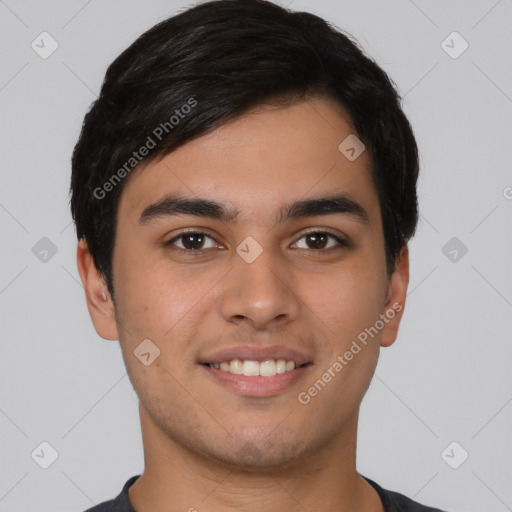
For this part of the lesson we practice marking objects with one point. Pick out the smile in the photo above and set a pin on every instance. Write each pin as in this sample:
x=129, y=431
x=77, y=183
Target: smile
x=250, y=368
x=257, y=379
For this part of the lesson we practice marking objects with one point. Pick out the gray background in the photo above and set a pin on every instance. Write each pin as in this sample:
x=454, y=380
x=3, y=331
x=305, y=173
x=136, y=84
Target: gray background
x=448, y=376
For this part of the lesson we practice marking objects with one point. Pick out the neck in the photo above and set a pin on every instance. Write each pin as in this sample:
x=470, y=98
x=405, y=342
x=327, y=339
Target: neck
x=177, y=479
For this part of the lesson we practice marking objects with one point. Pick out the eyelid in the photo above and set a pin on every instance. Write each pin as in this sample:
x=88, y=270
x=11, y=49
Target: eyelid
x=326, y=231
x=343, y=240
x=197, y=231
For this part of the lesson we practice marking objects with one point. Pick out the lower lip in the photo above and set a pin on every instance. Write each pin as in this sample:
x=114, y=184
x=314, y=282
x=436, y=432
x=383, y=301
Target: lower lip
x=257, y=386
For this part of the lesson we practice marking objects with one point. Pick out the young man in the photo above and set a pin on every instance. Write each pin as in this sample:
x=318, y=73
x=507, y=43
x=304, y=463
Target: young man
x=244, y=190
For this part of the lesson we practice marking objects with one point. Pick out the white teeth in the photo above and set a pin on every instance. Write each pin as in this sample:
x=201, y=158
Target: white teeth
x=250, y=368
x=235, y=367
x=280, y=366
x=268, y=368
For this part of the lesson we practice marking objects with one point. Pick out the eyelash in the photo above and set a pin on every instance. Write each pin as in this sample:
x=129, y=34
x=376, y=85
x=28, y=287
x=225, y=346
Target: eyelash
x=198, y=252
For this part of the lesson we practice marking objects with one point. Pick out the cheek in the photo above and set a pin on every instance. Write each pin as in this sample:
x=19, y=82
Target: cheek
x=348, y=303
x=161, y=301
x=347, y=300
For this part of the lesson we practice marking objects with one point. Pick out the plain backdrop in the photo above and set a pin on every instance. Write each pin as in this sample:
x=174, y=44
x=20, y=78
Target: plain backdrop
x=442, y=390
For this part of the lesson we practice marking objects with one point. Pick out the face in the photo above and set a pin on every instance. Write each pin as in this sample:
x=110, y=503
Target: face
x=264, y=275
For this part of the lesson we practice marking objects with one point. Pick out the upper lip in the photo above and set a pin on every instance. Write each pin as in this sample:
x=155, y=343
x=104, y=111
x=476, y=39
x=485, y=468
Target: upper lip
x=252, y=353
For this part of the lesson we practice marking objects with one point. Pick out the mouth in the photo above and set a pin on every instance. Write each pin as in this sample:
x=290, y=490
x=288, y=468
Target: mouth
x=257, y=372
x=251, y=368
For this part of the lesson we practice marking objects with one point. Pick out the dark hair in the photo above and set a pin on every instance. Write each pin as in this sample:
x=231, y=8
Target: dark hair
x=222, y=58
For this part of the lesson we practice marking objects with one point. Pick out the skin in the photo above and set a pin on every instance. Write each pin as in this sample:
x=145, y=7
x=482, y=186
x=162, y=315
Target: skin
x=207, y=447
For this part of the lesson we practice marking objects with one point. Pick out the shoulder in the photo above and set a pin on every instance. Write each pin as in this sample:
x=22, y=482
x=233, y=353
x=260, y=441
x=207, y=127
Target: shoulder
x=396, y=502
x=121, y=503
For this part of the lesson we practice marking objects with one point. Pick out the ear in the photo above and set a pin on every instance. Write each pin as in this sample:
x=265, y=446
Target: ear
x=99, y=302
x=395, y=300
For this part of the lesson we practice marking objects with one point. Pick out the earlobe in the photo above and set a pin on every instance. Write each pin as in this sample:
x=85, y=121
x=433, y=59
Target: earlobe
x=395, y=301
x=99, y=302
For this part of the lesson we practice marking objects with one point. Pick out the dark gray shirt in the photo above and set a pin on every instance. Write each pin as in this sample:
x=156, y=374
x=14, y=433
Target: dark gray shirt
x=392, y=501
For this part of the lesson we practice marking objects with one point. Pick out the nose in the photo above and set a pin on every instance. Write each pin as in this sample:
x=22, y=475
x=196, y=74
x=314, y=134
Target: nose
x=260, y=293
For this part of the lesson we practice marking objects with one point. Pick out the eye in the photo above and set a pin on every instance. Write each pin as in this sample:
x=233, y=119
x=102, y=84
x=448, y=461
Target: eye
x=191, y=241
x=319, y=240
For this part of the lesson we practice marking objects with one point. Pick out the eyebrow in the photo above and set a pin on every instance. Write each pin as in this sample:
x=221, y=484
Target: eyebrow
x=173, y=204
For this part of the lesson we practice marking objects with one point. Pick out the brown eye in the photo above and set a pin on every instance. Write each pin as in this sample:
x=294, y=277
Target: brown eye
x=193, y=241
x=190, y=241
x=319, y=240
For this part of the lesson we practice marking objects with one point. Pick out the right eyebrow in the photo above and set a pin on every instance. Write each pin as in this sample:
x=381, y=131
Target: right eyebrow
x=179, y=205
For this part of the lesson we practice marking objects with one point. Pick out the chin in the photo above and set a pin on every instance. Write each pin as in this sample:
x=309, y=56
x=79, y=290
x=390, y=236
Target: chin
x=258, y=456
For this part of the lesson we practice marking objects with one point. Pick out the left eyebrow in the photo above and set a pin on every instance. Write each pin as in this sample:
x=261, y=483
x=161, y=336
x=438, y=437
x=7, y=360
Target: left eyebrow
x=339, y=203
x=200, y=207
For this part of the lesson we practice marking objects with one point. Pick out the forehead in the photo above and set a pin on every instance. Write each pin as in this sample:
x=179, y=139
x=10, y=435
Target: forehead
x=259, y=161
